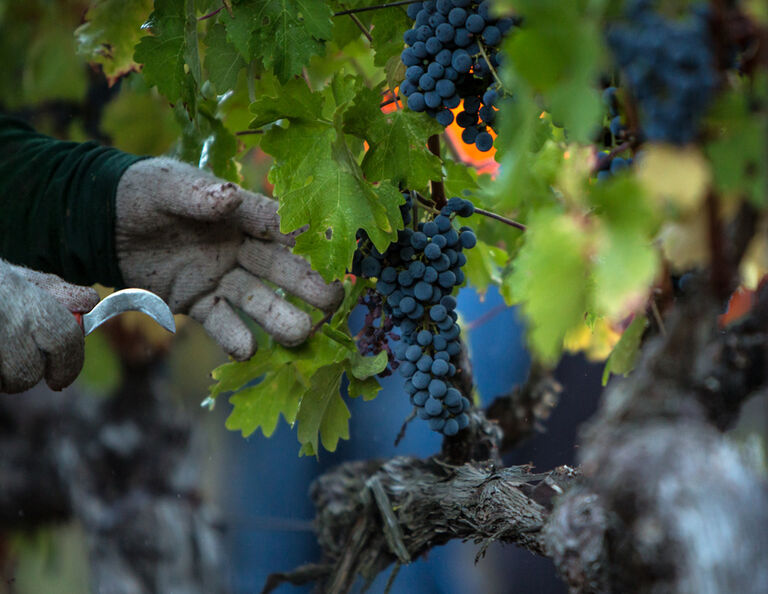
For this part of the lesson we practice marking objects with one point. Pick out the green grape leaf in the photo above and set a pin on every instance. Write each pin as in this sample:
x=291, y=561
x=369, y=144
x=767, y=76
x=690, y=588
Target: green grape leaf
x=625, y=266
x=484, y=265
x=109, y=34
x=558, y=53
x=206, y=142
x=550, y=280
x=323, y=414
x=169, y=55
x=625, y=259
x=367, y=388
x=397, y=142
x=459, y=179
x=740, y=150
x=364, y=367
x=222, y=60
x=283, y=34
x=234, y=375
x=319, y=182
x=295, y=101
x=260, y=406
x=622, y=359
x=395, y=73
x=387, y=33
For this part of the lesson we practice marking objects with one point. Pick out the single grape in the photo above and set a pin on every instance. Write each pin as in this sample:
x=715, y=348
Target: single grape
x=445, y=88
x=424, y=337
x=433, y=407
x=467, y=239
x=437, y=388
x=446, y=279
x=432, y=99
x=424, y=363
x=420, y=380
x=451, y=428
x=461, y=61
x=407, y=368
x=462, y=38
x=484, y=143
x=492, y=35
x=439, y=367
x=420, y=397
x=475, y=23
x=416, y=102
x=423, y=290
x=438, y=313
x=445, y=116
x=432, y=251
x=457, y=17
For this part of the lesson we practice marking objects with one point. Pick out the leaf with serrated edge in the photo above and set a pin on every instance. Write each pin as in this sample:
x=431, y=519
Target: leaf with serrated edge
x=398, y=142
x=110, y=32
x=318, y=182
x=260, y=406
x=222, y=60
x=323, y=415
x=166, y=53
x=283, y=34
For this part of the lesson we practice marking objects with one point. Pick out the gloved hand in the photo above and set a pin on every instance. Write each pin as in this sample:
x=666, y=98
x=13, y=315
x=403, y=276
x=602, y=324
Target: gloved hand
x=39, y=337
x=205, y=245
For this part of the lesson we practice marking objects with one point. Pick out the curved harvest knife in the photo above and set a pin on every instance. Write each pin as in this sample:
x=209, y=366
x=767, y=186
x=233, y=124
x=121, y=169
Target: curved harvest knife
x=127, y=300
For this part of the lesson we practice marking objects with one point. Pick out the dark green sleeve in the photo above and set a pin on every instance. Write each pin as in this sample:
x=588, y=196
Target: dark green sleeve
x=57, y=204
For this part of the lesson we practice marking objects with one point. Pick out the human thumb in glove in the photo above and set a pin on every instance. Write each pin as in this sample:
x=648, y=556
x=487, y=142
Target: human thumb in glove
x=207, y=246
x=39, y=336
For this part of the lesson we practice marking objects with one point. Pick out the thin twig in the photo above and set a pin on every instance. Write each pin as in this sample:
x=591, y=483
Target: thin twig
x=326, y=318
x=401, y=433
x=395, y=99
x=360, y=26
x=429, y=206
x=487, y=61
x=502, y=219
x=211, y=14
x=246, y=132
x=392, y=576
x=377, y=7
x=614, y=151
x=486, y=317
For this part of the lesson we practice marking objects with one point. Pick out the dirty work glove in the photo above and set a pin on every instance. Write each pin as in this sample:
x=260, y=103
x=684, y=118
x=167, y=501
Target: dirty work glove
x=39, y=337
x=205, y=245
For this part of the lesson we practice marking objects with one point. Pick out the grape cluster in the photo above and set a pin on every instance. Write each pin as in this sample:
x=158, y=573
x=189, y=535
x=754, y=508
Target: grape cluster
x=416, y=277
x=445, y=64
x=670, y=69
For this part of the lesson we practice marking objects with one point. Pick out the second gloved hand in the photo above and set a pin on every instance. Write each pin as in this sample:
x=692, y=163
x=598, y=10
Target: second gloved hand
x=39, y=337
x=204, y=245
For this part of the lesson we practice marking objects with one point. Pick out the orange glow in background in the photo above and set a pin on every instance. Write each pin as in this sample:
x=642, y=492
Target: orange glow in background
x=468, y=153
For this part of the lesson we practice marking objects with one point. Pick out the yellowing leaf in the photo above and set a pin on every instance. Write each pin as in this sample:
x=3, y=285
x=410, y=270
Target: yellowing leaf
x=111, y=30
x=550, y=281
x=596, y=342
x=754, y=265
x=624, y=355
x=685, y=243
x=675, y=178
x=625, y=266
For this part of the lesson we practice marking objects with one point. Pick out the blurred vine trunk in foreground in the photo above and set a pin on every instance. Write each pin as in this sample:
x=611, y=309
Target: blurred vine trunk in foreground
x=122, y=467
